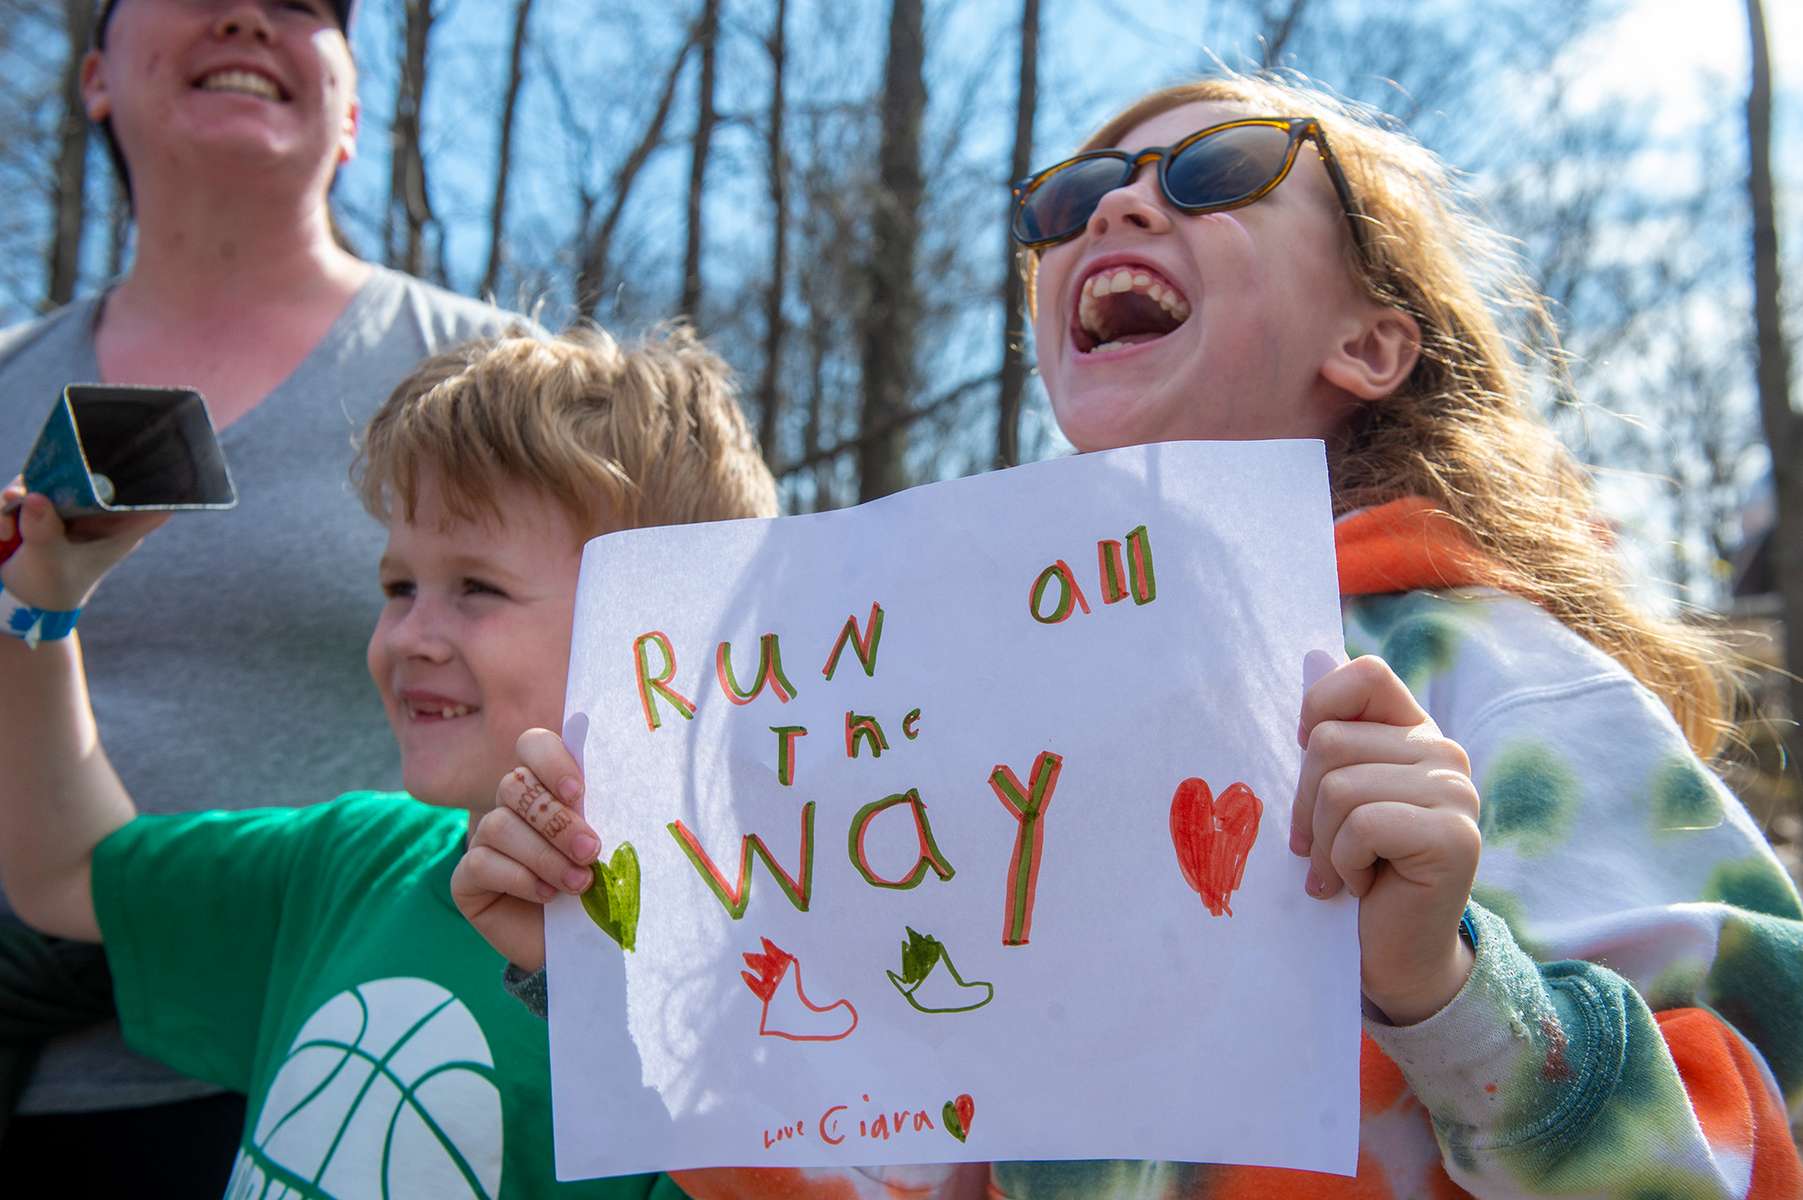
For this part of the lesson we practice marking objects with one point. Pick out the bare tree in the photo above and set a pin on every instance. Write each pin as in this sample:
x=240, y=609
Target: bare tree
x=769, y=390
x=596, y=240
x=409, y=206
x=1783, y=425
x=69, y=194
x=497, y=211
x=891, y=315
x=1279, y=25
x=708, y=37
x=1014, y=287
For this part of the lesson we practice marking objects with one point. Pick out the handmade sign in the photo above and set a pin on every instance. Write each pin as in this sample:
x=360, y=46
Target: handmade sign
x=954, y=827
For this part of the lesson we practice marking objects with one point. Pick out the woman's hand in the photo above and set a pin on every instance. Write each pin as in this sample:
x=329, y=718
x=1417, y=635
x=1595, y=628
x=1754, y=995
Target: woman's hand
x=533, y=845
x=58, y=565
x=1386, y=808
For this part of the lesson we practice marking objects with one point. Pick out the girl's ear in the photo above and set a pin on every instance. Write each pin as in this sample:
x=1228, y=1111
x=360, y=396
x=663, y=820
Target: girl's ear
x=1375, y=357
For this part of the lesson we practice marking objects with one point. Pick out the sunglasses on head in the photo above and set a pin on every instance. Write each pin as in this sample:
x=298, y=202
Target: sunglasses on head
x=1224, y=166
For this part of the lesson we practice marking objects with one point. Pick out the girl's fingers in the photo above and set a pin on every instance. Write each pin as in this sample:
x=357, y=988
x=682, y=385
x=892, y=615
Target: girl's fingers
x=1365, y=689
x=523, y=794
x=505, y=833
x=1335, y=744
x=543, y=753
x=483, y=874
x=1428, y=846
x=1345, y=792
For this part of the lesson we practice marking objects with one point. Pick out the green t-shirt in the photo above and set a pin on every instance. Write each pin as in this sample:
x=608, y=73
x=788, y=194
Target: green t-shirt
x=312, y=959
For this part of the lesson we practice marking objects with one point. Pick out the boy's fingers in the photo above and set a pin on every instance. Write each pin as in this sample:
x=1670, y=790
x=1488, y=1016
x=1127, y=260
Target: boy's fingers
x=507, y=834
x=522, y=793
x=39, y=522
x=1365, y=689
x=483, y=874
x=544, y=754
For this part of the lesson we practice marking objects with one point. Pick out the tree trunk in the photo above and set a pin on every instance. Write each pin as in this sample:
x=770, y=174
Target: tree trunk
x=891, y=311
x=497, y=211
x=769, y=397
x=1014, y=286
x=68, y=194
x=1783, y=425
x=409, y=209
x=709, y=34
x=591, y=272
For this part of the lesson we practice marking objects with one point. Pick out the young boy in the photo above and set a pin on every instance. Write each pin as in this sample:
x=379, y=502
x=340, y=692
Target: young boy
x=313, y=958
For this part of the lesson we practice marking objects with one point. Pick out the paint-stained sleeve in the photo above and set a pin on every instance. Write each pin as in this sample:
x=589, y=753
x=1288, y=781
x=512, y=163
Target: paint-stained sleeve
x=1634, y=1023
x=1557, y=1079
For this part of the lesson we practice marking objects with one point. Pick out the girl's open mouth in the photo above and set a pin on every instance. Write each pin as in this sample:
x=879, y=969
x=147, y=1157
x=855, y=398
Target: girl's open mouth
x=1121, y=305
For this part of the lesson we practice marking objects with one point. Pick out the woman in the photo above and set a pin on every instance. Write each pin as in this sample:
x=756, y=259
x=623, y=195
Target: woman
x=230, y=119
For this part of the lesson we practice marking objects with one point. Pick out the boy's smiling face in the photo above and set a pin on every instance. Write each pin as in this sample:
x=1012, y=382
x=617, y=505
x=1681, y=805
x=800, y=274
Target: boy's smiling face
x=474, y=640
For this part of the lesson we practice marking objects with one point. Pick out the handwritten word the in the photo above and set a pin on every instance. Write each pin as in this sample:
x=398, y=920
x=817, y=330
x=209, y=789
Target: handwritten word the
x=1058, y=582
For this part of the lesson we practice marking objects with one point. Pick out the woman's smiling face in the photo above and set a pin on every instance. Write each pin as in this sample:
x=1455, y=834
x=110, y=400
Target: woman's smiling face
x=1156, y=325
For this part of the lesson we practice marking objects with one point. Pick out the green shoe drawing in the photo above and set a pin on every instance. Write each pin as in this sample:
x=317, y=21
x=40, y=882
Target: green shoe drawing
x=931, y=991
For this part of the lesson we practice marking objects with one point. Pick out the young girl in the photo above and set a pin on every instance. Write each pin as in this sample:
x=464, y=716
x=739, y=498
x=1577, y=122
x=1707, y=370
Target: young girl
x=1612, y=1005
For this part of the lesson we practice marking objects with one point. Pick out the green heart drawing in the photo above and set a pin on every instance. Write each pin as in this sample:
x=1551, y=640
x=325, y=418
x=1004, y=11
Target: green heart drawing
x=613, y=903
x=958, y=1114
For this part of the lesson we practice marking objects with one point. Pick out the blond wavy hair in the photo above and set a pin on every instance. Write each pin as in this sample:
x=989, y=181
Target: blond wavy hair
x=620, y=436
x=1462, y=430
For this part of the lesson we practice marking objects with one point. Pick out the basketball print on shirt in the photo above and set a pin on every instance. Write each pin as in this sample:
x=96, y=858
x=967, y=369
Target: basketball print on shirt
x=388, y=1091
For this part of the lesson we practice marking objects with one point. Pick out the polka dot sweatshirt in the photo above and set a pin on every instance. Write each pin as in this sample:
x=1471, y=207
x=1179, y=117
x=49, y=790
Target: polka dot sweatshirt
x=1633, y=1026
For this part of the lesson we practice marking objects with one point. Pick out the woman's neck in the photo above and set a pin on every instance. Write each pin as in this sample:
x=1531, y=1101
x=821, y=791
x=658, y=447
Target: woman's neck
x=228, y=293
x=202, y=255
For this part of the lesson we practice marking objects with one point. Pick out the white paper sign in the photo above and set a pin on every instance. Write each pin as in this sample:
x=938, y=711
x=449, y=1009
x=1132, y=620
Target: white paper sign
x=918, y=874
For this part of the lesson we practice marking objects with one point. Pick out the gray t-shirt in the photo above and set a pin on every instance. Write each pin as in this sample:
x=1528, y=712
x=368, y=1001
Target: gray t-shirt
x=226, y=656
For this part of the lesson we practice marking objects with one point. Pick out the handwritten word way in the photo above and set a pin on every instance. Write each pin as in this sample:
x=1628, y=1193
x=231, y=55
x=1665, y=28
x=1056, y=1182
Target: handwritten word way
x=1054, y=595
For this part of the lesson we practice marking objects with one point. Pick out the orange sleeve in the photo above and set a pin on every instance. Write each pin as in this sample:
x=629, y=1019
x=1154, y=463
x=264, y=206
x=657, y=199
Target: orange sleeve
x=1733, y=1099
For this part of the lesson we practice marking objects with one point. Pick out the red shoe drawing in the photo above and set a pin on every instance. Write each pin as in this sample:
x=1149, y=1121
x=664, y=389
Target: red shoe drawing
x=795, y=1017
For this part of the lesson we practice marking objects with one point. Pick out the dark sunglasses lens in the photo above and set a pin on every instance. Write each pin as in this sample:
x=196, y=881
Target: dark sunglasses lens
x=1063, y=202
x=1227, y=166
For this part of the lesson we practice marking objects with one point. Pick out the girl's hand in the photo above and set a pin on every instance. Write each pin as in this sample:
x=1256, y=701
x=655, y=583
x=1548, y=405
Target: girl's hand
x=529, y=848
x=1386, y=808
x=58, y=566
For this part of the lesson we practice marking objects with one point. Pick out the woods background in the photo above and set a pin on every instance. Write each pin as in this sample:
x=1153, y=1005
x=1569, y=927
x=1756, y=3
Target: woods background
x=822, y=187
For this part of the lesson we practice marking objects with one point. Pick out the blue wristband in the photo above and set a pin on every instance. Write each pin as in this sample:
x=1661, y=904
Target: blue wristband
x=33, y=625
x=1468, y=929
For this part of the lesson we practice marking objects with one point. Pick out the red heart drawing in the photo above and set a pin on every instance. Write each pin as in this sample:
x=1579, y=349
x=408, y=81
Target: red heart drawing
x=1213, y=838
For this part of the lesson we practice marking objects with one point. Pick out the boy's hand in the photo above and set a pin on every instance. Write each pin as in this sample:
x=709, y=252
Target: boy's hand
x=532, y=846
x=58, y=566
x=1386, y=807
